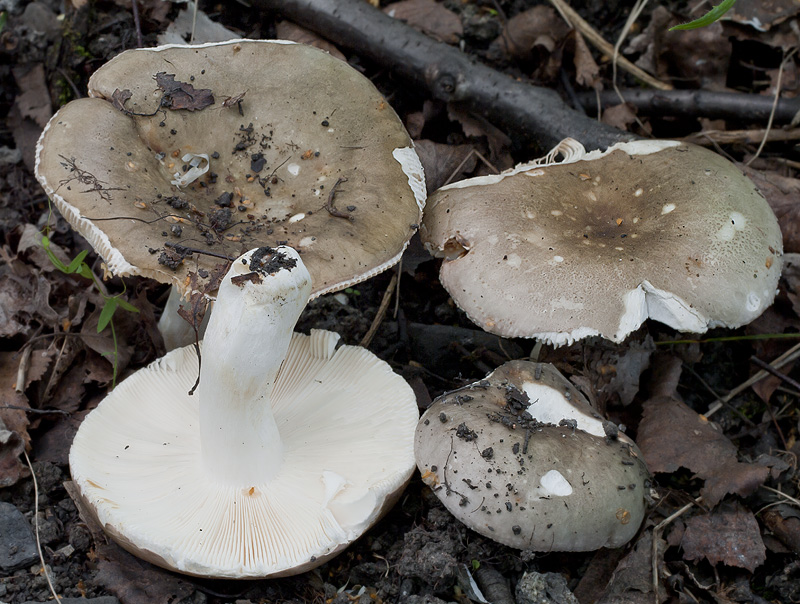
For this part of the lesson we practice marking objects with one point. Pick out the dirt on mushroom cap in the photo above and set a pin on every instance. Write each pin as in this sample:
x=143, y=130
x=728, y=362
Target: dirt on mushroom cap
x=595, y=247
x=276, y=154
x=528, y=484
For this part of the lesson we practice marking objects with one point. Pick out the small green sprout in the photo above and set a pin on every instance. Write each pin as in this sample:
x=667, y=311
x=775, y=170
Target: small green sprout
x=710, y=17
x=78, y=266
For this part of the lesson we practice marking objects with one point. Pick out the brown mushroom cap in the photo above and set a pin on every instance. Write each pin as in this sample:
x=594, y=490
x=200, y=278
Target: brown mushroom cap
x=521, y=458
x=289, y=129
x=598, y=243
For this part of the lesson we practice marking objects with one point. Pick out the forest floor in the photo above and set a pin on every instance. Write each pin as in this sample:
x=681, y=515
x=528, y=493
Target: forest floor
x=724, y=521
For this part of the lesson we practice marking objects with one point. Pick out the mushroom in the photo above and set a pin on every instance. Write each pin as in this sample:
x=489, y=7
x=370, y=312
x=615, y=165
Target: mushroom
x=290, y=449
x=599, y=242
x=184, y=154
x=521, y=458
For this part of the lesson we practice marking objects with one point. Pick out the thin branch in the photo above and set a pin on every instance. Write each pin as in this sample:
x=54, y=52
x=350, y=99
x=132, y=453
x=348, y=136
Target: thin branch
x=573, y=19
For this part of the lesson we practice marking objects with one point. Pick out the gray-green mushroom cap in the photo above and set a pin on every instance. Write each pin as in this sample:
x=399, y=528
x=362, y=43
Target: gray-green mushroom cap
x=521, y=458
x=229, y=146
x=599, y=242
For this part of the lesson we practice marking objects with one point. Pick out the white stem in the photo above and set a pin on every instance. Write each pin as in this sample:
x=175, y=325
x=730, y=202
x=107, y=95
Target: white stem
x=176, y=330
x=245, y=343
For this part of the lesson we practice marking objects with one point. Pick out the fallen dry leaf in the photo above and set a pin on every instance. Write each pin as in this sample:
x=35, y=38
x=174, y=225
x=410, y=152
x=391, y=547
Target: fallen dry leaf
x=33, y=100
x=13, y=422
x=440, y=161
x=538, y=26
x=134, y=581
x=620, y=116
x=671, y=435
x=429, y=17
x=783, y=195
x=632, y=581
x=728, y=534
x=286, y=30
x=587, y=73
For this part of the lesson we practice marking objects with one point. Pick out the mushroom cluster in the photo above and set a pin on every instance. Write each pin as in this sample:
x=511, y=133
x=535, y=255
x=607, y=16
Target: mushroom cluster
x=183, y=154
x=598, y=242
x=291, y=447
x=521, y=458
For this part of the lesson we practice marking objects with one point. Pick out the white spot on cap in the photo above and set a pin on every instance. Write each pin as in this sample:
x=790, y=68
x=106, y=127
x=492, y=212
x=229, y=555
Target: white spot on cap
x=529, y=214
x=556, y=212
x=558, y=258
x=638, y=192
x=555, y=484
x=492, y=239
x=667, y=208
x=297, y=217
x=293, y=169
x=753, y=302
x=539, y=172
x=566, y=304
x=307, y=241
x=591, y=196
x=736, y=222
x=513, y=260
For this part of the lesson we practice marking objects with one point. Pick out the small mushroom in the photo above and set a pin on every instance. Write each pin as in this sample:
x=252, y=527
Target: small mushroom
x=521, y=458
x=183, y=154
x=597, y=243
x=290, y=448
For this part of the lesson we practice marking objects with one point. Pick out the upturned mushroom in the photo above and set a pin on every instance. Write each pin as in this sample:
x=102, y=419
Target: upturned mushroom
x=185, y=153
x=598, y=242
x=521, y=458
x=290, y=449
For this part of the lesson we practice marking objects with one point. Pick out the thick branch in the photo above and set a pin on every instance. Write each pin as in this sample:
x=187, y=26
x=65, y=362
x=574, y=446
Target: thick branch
x=534, y=115
x=699, y=103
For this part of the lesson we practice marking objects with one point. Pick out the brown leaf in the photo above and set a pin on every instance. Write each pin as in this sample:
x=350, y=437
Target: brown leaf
x=33, y=101
x=631, y=361
x=440, y=161
x=620, y=116
x=632, y=581
x=135, y=581
x=181, y=95
x=539, y=26
x=13, y=422
x=286, y=30
x=16, y=297
x=119, y=98
x=429, y=17
x=783, y=195
x=671, y=435
x=587, y=73
x=729, y=534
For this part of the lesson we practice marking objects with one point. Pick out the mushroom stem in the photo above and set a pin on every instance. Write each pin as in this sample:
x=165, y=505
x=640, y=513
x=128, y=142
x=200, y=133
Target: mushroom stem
x=258, y=304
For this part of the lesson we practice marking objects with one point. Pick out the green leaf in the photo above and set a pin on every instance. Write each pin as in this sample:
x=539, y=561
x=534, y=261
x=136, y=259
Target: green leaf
x=75, y=265
x=127, y=305
x=710, y=17
x=109, y=308
x=475, y=564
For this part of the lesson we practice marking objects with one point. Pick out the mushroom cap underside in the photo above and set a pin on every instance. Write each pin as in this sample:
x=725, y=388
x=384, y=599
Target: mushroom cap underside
x=346, y=422
x=529, y=484
x=564, y=251
x=296, y=148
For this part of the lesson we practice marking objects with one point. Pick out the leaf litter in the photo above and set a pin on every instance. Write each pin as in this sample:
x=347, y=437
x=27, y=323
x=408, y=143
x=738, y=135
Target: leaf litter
x=734, y=466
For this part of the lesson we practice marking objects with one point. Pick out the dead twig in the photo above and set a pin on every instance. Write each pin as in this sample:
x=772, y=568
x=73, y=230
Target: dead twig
x=36, y=526
x=379, y=316
x=574, y=20
x=329, y=204
x=787, y=357
x=699, y=103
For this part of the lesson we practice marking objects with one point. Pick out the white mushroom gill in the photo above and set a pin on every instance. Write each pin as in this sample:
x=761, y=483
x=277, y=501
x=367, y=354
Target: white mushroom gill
x=289, y=450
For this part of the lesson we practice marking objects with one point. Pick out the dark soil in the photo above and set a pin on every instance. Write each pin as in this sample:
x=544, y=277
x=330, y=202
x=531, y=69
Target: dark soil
x=418, y=552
